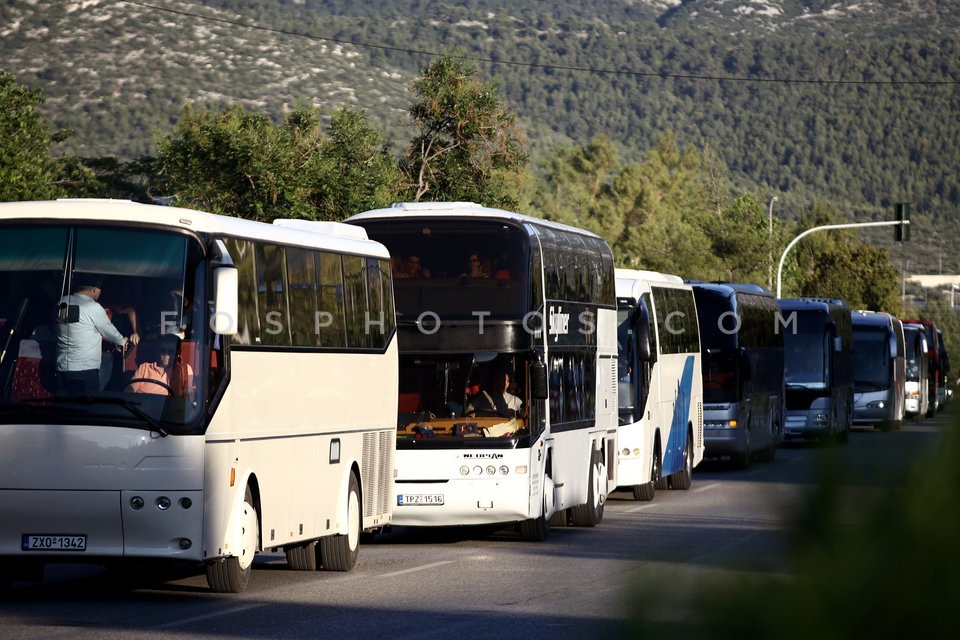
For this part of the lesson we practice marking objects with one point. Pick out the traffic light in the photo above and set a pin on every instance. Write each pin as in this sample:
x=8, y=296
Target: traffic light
x=901, y=232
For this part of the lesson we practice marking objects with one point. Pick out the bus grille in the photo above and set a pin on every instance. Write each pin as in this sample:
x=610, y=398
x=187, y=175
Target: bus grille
x=377, y=471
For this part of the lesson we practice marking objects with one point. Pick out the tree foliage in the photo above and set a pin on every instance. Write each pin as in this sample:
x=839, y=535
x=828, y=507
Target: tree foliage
x=237, y=162
x=467, y=146
x=837, y=264
x=27, y=168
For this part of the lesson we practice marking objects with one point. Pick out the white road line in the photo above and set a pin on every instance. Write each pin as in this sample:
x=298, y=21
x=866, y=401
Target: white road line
x=640, y=507
x=706, y=487
x=420, y=568
x=214, y=614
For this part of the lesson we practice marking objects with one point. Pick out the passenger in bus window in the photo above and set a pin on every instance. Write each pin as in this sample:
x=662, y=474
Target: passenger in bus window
x=501, y=270
x=81, y=325
x=475, y=267
x=166, y=373
x=409, y=268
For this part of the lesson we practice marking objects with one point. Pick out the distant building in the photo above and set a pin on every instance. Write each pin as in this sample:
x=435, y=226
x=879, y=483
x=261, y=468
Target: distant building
x=947, y=285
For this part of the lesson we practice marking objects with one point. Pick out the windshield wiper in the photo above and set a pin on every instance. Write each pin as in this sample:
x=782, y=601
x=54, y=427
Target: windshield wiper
x=89, y=400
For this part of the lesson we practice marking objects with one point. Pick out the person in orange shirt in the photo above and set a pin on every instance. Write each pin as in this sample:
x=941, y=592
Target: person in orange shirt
x=166, y=375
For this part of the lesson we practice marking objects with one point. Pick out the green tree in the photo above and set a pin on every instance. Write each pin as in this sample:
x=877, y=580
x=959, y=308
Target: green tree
x=743, y=241
x=579, y=188
x=239, y=163
x=357, y=171
x=836, y=264
x=28, y=171
x=467, y=146
x=667, y=214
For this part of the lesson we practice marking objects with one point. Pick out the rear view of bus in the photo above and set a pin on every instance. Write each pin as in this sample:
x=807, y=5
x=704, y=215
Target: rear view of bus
x=507, y=335
x=818, y=363
x=879, y=370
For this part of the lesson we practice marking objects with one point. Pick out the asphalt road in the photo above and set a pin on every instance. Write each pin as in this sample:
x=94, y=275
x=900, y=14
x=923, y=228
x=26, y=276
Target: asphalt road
x=477, y=583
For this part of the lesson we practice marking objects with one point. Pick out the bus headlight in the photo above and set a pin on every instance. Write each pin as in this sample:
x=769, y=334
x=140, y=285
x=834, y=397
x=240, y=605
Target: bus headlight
x=491, y=470
x=136, y=503
x=504, y=469
x=464, y=470
x=876, y=404
x=163, y=503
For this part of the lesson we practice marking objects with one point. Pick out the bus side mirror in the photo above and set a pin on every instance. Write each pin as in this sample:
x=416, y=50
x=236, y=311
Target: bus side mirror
x=538, y=381
x=643, y=343
x=641, y=328
x=225, y=307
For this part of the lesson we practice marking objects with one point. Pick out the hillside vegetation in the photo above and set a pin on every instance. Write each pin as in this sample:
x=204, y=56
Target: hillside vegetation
x=854, y=107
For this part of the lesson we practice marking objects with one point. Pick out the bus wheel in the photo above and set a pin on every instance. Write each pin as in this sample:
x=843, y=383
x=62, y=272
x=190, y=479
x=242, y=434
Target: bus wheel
x=645, y=492
x=535, y=529
x=339, y=552
x=590, y=513
x=683, y=479
x=232, y=574
x=660, y=482
x=302, y=556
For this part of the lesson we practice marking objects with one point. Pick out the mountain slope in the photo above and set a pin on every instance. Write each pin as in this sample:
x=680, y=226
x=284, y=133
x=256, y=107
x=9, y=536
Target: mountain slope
x=853, y=105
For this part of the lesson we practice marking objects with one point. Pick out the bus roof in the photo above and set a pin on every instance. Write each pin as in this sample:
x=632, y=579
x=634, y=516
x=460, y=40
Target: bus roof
x=862, y=318
x=729, y=288
x=428, y=210
x=632, y=283
x=307, y=233
x=812, y=304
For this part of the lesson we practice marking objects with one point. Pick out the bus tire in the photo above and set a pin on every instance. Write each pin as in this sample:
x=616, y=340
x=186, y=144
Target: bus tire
x=683, y=479
x=591, y=512
x=232, y=574
x=646, y=491
x=302, y=556
x=339, y=552
x=660, y=481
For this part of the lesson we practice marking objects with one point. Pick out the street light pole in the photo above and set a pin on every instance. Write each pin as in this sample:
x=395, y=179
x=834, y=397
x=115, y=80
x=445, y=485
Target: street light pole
x=770, y=243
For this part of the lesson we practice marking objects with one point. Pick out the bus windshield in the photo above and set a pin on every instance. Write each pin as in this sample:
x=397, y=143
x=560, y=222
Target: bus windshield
x=720, y=369
x=438, y=264
x=101, y=325
x=871, y=360
x=463, y=399
x=805, y=363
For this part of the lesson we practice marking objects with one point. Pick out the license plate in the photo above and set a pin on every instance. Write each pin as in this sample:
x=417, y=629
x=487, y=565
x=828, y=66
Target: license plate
x=52, y=542
x=405, y=499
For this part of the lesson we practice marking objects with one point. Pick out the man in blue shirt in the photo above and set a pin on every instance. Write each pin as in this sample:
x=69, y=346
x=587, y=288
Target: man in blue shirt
x=81, y=326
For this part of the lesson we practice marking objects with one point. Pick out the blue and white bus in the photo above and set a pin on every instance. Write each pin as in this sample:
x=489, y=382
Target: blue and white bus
x=879, y=370
x=818, y=363
x=273, y=437
x=743, y=385
x=507, y=336
x=660, y=396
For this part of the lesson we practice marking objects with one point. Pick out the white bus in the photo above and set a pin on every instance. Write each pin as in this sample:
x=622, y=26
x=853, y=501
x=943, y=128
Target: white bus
x=660, y=383
x=271, y=429
x=507, y=295
x=879, y=370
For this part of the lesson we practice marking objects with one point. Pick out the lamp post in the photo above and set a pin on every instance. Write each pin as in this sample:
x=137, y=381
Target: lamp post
x=770, y=243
